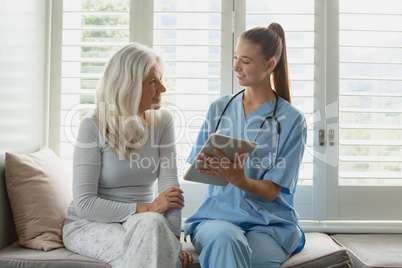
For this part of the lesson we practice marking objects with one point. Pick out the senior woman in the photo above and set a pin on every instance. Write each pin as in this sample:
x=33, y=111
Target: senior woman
x=122, y=149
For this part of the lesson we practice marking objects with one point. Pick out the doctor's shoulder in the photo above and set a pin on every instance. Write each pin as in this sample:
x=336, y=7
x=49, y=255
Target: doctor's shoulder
x=217, y=106
x=289, y=112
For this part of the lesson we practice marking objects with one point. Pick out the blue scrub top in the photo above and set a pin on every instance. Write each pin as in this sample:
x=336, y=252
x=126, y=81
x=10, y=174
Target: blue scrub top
x=277, y=217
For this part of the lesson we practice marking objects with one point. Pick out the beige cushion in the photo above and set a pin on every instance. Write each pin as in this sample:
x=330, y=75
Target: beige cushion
x=320, y=251
x=373, y=250
x=39, y=190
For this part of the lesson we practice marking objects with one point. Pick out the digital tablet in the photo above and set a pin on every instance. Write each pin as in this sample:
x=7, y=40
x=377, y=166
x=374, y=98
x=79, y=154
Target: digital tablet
x=231, y=147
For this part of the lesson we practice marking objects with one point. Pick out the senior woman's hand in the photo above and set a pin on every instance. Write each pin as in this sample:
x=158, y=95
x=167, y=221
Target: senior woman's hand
x=171, y=198
x=185, y=258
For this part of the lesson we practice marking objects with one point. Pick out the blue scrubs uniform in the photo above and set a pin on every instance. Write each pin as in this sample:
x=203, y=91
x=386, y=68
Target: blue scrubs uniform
x=232, y=228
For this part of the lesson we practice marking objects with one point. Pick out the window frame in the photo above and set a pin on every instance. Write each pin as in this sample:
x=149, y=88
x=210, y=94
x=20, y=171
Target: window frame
x=325, y=204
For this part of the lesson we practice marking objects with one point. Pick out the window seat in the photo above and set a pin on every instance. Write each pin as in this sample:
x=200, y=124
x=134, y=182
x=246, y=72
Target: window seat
x=321, y=250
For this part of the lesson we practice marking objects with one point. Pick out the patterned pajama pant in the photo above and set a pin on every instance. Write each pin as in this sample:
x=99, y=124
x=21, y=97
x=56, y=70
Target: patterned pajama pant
x=144, y=240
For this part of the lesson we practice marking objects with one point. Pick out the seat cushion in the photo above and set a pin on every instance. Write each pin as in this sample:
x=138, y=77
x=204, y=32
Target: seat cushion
x=320, y=251
x=373, y=250
x=16, y=255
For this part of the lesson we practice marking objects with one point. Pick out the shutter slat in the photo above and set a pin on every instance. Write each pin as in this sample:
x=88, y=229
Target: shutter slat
x=370, y=97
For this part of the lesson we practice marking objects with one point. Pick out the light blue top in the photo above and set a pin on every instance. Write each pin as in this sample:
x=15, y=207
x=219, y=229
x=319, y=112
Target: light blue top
x=278, y=217
x=108, y=189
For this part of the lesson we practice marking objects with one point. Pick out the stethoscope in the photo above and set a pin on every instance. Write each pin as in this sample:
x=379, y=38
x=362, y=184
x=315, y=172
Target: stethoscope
x=273, y=117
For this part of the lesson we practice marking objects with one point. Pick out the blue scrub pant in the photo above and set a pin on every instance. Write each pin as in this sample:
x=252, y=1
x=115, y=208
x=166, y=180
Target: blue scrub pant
x=223, y=244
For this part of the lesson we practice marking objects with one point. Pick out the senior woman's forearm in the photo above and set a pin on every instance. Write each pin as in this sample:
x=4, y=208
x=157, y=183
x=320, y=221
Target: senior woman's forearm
x=103, y=210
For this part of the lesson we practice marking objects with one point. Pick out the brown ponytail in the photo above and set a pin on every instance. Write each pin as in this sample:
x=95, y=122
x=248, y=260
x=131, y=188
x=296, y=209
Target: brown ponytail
x=281, y=72
x=272, y=42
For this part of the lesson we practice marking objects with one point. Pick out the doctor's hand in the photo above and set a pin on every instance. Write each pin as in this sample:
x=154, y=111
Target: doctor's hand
x=222, y=167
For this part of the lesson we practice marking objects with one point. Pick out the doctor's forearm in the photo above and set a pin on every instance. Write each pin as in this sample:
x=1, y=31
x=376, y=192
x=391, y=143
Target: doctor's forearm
x=260, y=188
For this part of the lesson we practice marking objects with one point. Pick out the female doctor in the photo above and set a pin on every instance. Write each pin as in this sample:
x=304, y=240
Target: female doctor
x=251, y=222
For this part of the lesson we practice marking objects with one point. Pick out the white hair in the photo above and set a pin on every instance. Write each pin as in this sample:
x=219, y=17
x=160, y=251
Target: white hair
x=118, y=97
